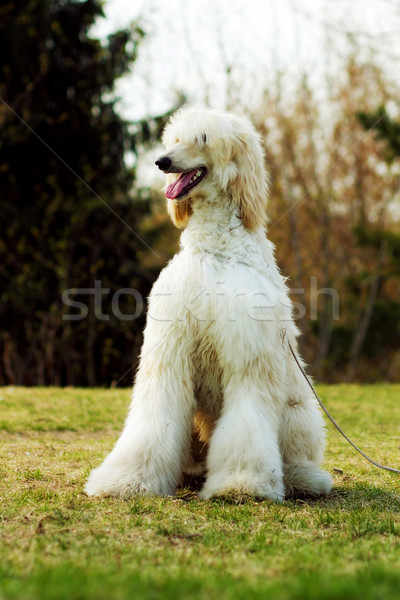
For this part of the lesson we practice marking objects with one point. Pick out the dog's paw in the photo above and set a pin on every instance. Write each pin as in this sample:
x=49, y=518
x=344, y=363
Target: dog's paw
x=242, y=485
x=123, y=484
x=194, y=468
x=99, y=485
x=307, y=478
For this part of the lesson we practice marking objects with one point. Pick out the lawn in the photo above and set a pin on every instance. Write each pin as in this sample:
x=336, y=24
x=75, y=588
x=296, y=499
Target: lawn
x=56, y=543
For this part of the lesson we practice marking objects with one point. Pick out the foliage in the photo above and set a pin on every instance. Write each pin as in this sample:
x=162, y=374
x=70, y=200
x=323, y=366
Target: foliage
x=68, y=216
x=384, y=321
x=386, y=129
x=335, y=219
x=58, y=543
x=71, y=215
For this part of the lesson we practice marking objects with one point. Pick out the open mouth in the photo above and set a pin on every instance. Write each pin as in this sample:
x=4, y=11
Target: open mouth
x=185, y=183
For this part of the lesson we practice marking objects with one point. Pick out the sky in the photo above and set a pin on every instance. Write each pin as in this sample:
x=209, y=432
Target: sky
x=217, y=51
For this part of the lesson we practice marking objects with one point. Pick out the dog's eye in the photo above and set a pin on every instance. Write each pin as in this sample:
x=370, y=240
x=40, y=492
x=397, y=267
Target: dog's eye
x=204, y=138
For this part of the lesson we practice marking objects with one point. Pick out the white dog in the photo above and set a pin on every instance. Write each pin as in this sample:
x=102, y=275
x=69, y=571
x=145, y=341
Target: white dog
x=217, y=390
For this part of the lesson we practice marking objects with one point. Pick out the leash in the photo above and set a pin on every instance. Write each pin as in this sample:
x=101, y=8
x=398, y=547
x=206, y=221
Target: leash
x=391, y=469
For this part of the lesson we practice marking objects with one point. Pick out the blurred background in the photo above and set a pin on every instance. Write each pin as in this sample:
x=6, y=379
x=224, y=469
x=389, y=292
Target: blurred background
x=85, y=90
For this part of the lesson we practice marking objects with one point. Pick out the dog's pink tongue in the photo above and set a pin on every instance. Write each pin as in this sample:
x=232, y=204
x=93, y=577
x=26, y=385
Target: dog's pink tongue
x=174, y=189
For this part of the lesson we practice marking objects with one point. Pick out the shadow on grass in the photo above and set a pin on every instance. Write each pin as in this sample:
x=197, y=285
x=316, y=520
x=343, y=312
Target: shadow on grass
x=359, y=495
x=348, y=498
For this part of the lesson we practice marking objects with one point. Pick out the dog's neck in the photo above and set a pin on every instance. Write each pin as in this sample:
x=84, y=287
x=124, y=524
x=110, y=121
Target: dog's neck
x=215, y=227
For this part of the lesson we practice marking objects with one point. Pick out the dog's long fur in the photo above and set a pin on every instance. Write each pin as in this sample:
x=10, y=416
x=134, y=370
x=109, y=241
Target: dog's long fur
x=217, y=390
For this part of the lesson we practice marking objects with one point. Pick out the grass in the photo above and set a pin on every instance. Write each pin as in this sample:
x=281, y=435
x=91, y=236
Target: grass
x=56, y=543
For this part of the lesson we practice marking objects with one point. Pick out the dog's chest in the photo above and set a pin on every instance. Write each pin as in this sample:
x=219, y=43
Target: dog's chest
x=207, y=375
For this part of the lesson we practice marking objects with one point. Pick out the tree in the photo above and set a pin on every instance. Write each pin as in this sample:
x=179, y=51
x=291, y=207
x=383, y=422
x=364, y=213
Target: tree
x=379, y=317
x=386, y=128
x=68, y=217
x=335, y=221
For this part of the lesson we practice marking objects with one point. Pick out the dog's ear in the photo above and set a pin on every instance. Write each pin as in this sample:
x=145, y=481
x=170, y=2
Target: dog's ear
x=221, y=149
x=179, y=212
x=250, y=187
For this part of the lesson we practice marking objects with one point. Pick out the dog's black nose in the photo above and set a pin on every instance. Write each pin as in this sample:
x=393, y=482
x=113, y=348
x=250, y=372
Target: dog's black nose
x=164, y=163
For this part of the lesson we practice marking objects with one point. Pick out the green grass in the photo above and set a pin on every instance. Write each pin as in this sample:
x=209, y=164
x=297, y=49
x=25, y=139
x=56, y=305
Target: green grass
x=56, y=543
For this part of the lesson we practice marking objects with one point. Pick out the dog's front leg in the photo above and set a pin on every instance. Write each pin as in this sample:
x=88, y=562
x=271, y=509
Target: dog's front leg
x=148, y=457
x=244, y=455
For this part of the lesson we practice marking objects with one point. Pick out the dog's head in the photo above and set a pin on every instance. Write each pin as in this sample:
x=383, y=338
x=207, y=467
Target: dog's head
x=213, y=154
